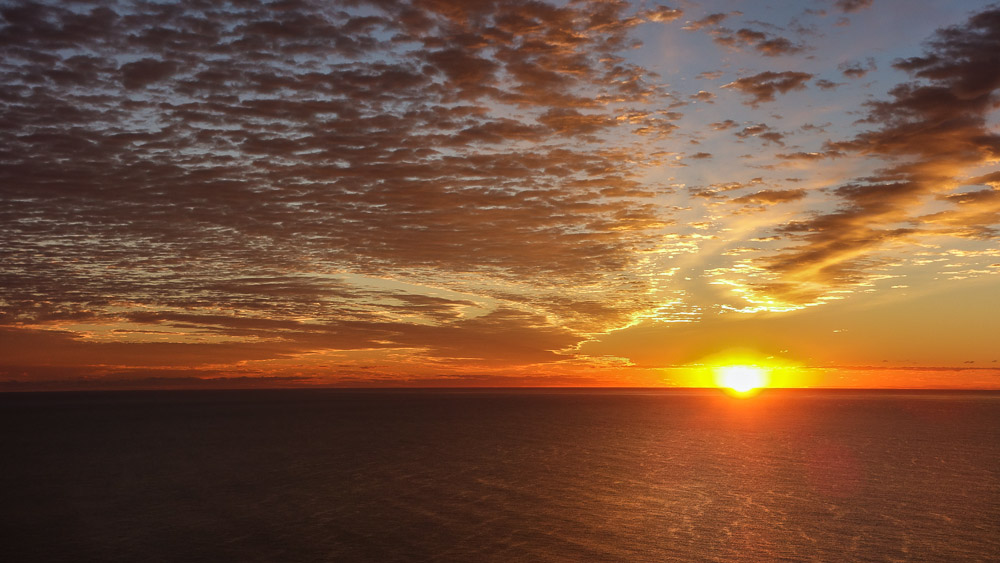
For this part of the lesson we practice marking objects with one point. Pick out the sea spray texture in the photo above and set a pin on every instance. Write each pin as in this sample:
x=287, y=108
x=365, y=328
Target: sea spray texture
x=544, y=475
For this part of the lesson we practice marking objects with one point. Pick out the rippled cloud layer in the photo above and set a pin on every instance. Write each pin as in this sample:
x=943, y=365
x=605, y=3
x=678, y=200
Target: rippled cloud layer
x=395, y=192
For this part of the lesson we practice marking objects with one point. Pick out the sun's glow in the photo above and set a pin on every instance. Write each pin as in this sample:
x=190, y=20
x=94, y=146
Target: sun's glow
x=741, y=378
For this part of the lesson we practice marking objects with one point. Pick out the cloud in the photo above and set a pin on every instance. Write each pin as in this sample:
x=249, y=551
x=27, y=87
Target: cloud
x=763, y=87
x=808, y=156
x=256, y=188
x=771, y=197
x=207, y=177
x=146, y=71
x=929, y=132
x=710, y=20
x=723, y=125
x=662, y=14
x=775, y=46
x=856, y=69
x=762, y=131
x=569, y=122
x=718, y=189
x=703, y=96
x=848, y=6
x=76, y=379
x=974, y=215
x=765, y=43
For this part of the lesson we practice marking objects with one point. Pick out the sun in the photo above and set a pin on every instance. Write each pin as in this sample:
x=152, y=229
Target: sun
x=741, y=379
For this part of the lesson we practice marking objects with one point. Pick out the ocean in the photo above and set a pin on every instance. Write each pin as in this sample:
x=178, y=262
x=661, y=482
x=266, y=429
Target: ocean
x=499, y=475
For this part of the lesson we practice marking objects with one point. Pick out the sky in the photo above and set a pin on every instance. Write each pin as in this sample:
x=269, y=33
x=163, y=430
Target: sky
x=498, y=193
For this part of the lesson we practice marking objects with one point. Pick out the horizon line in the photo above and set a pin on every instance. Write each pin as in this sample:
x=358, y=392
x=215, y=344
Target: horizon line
x=482, y=388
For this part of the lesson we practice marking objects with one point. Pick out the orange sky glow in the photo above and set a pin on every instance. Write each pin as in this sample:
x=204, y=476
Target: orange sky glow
x=425, y=193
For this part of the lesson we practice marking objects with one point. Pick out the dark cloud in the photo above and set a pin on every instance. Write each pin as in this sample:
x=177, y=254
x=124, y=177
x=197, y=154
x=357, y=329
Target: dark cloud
x=723, y=125
x=765, y=43
x=770, y=197
x=82, y=378
x=762, y=131
x=848, y=6
x=774, y=46
x=146, y=71
x=569, y=122
x=763, y=86
x=857, y=69
x=821, y=127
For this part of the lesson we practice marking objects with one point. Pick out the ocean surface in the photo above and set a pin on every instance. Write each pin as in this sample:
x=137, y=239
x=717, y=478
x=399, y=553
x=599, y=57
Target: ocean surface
x=460, y=475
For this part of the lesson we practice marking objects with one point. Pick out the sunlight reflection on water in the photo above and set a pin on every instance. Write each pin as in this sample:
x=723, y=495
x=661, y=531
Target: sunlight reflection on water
x=501, y=476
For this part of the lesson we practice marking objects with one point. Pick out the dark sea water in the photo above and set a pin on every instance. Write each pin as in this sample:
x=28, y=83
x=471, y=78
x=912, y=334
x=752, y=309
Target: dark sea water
x=619, y=475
